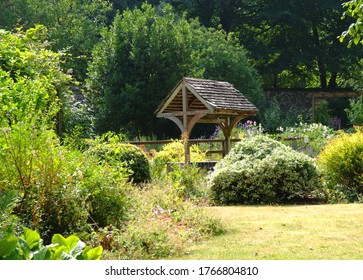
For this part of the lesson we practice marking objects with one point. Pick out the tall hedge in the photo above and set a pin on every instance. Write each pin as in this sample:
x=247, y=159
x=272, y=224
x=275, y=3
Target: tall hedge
x=262, y=170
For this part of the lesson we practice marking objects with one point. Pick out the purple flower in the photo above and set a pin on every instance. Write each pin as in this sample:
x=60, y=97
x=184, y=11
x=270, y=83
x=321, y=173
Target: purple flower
x=335, y=122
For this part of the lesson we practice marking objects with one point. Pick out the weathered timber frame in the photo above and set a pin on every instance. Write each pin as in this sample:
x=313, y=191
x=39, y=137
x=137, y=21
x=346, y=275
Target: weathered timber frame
x=329, y=95
x=195, y=101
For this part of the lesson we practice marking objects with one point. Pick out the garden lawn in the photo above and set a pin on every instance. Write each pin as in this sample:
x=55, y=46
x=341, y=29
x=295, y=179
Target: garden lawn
x=313, y=232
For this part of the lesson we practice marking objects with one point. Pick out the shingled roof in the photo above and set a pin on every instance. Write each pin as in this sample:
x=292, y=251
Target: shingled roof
x=217, y=97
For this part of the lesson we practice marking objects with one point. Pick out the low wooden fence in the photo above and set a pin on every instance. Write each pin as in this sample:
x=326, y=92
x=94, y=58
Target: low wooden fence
x=221, y=151
x=208, y=165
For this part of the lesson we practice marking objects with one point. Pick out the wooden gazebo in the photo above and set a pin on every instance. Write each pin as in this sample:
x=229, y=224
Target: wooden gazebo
x=195, y=101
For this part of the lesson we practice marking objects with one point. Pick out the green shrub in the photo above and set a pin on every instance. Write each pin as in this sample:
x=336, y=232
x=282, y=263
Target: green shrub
x=341, y=162
x=32, y=163
x=121, y=155
x=8, y=221
x=355, y=111
x=58, y=190
x=162, y=225
x=107, y=189
x=188, y=181
x=262, y=170
x=173, y=153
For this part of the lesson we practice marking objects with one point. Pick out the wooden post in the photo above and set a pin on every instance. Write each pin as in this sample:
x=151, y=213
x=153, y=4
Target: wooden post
x=226, y=129
x=185, y=135
x=223, y=148
x=227, y=135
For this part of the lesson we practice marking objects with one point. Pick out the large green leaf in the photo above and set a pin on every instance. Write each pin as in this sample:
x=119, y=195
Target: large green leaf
x=42, y=254
x=66, y=256
x=23, y=249
x=92, y=254
x=31, y=237
x=57, y=252
x=77, y=250
x=69, y=242
x=7, y=245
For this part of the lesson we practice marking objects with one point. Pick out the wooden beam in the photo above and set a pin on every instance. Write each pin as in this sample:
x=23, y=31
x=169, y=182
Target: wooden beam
x=214, y=121
x=235, y=121
x=185, y=134
x=177, y=121
x=194, y=120
x=181, y=113
x=170, y=98
x=336, y=94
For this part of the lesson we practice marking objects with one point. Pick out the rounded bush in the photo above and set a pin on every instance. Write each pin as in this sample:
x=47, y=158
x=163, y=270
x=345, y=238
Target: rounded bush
x=262, y=170
x=174, y=152
x=341, y=162
x=124, y=155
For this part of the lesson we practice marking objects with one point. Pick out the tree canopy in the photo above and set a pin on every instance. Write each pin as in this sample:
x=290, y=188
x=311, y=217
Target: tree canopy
x=31, y=79
x=73, y=25
x=143, y=56
x=355, y=30
x=132, y=54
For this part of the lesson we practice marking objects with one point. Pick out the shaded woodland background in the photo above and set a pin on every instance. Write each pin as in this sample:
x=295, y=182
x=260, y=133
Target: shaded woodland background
x=126, y=57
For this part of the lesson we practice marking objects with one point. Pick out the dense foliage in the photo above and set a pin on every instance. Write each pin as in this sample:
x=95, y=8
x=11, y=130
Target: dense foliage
x=355, y=111
x=142, y=57
x=122, y=156
x=74, y=25
x=273, y=31
x=32, y=80
x=342, y=163
x=174, y=152
x=152, y=49
x=262, y=170
x=57, y=190
x=162, y=225
x=354, y=31
x=139, y=59
x=61, y=188
x=126, y=58
x=29, y=246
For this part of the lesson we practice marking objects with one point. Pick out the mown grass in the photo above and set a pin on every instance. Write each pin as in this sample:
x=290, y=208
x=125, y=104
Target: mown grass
x=312, y=232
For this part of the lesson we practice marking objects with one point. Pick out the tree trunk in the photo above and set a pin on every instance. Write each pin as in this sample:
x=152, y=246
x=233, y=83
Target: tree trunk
x=319, y=58
x=333, y=80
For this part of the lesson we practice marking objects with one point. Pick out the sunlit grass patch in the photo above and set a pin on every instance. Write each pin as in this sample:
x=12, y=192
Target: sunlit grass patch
x=314, y=232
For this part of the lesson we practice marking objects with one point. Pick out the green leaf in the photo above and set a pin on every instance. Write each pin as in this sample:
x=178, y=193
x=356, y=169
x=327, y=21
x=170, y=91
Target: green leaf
x=77, y=250
x=7, y=245
x=42, y=254
x=56, y=252
x=69, y=242
x=356, y=40
x=24, y=249
x=31, y=237
x=92, y=254
x=66, y=256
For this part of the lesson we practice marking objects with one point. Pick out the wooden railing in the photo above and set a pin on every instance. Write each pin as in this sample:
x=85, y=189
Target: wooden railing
x=191, y=142
x=201, y=141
